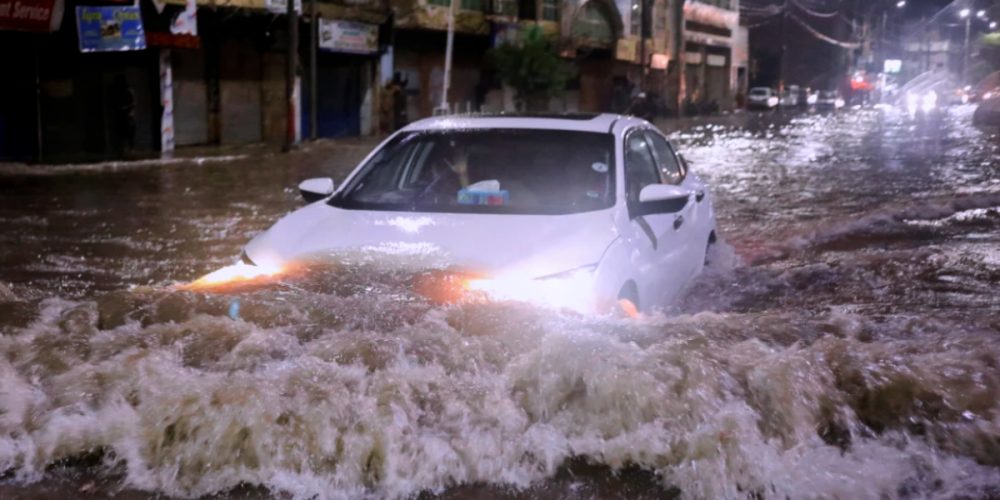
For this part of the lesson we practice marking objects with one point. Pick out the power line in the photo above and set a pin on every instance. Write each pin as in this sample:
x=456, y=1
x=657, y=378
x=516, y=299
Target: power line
x=816, y=33
x=811, y=12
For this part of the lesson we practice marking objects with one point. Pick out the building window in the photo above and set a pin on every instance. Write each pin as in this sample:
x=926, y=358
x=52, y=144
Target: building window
x=507, y=8
x=550, y=10
x=722, y=4
x=476, y=5
x=635, y=18
x=527, y=10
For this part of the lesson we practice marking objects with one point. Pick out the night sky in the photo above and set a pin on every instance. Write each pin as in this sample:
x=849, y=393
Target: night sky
x=812, y=62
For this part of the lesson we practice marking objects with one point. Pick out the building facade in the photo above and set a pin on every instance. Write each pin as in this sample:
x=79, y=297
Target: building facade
x=102, y=79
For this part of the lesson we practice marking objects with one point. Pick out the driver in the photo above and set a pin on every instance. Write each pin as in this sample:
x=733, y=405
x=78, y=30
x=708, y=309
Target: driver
x=449, y=174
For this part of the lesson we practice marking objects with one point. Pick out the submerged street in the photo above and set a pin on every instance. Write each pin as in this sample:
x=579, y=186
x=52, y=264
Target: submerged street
x=844, y=341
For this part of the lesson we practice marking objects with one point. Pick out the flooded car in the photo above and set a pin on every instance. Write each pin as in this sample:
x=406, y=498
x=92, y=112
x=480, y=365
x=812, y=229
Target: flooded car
x=842, y=342
x=581, y=212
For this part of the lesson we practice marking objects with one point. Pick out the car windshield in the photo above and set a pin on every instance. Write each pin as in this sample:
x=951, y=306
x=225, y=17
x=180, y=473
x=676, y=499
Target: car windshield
x=828, y=94
x=759, y=92
x=487, y=171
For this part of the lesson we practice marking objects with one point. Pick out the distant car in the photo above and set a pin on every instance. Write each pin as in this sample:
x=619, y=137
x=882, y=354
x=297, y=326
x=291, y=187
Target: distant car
x=921, y=102
x=789, y=98
x=762, y=98
x=829, y=100
x=586, y=212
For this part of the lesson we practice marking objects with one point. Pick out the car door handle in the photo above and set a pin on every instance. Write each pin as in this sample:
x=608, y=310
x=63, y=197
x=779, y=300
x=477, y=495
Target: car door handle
x=678, y=222
x=699, y=195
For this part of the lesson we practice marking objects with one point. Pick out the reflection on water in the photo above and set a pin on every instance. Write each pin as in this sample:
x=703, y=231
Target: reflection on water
x=843, y=343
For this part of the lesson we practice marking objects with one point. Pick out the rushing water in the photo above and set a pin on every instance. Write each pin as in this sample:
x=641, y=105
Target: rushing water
x=844, y=343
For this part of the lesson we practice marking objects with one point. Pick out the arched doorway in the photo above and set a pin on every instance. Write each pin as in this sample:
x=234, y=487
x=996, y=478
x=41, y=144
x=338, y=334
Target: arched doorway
x=594, y=31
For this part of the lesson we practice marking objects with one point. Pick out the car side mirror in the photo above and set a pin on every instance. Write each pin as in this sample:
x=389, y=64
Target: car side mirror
x=685, y=163
x=316, y=189
x=662, y=199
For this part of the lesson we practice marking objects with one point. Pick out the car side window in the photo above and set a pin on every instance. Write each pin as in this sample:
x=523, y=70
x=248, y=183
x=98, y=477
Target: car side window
x=670, y=167
x=640, y=166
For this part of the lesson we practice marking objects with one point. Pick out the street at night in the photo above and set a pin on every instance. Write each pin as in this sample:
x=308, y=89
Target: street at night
x=842, y=341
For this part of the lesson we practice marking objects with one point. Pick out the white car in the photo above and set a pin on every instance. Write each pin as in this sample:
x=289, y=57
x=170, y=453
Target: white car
x=790, y=97
x=829, y=100
x=762, y=98
x=578, y=211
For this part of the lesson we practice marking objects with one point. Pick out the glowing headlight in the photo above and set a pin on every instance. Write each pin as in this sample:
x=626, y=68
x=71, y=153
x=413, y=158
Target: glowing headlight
x=571, y=289
x=235, y=273
x=912, y=102
x=929, y=101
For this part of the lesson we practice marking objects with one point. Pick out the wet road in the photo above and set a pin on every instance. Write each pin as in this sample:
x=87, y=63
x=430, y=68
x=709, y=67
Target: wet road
x=845, y=342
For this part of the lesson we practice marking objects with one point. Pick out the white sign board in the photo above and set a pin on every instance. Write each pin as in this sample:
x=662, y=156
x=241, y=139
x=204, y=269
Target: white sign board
x=281, y=6
x=893, y=65
x=348, y=36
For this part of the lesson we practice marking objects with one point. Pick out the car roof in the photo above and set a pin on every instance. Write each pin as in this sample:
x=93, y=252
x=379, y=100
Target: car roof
x=580, y=122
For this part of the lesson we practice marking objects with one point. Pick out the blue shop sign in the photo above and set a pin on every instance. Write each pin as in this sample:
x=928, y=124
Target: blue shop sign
x=104, y=29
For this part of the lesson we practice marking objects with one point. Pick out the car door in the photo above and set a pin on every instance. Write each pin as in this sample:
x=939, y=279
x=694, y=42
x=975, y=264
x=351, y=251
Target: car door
x=657, y=256
x=693, y=220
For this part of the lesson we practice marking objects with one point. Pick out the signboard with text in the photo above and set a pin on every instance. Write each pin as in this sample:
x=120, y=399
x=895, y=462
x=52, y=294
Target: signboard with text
x=31, y=15
x=348, y=36
x=104, y=29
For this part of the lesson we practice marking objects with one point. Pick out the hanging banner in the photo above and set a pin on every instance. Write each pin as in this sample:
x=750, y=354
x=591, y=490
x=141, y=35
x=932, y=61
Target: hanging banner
x=167, y=103
x=103, y=29
x=186, y=21
x=31, y=15
x=348, y=36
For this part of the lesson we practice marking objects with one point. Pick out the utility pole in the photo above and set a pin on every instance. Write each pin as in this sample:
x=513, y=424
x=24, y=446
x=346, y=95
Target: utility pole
x=965, y=53
x=449, y=46
x=781, y=53
x=313, y=91
x=679, y=61
x=293, y=60
x=642, y=45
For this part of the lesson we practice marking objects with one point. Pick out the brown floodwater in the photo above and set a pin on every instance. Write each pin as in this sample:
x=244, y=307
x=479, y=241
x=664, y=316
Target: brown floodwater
x=843, y=343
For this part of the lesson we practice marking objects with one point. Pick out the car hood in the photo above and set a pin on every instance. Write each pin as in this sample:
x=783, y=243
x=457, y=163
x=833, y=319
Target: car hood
x=535, y=245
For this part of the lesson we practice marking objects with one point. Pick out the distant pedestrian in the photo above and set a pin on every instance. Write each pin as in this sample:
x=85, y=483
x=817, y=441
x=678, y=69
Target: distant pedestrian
x=122, y=100
x=400, y=106
x=392, y=112
x=386, y=108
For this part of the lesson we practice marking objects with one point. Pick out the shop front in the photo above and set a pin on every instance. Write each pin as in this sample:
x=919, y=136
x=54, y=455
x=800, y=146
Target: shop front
x=345, y=79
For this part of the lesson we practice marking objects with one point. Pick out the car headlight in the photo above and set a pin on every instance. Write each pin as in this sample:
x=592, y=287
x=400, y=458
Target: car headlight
x=571, y=289
x=929, y=101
